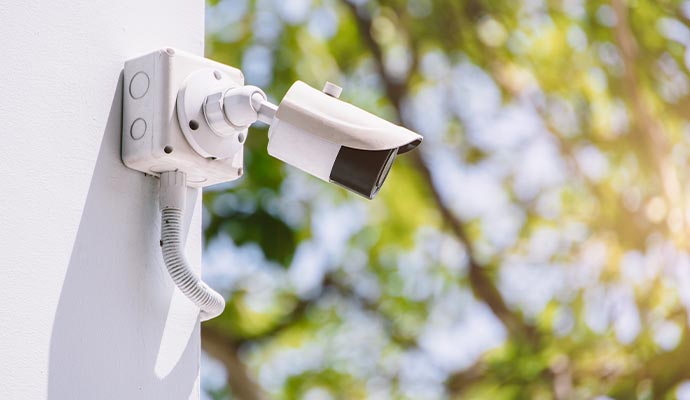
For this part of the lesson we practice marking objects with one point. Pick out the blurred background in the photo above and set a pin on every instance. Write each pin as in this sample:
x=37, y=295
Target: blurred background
x=535, y=246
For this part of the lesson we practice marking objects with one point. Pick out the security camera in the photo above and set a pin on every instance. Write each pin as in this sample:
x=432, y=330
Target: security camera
x=185, y=119
x=335, y=141
x=310, y=129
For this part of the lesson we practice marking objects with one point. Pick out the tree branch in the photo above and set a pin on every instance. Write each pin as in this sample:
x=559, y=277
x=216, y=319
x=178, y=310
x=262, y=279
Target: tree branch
x=223, y=348
x=481, y=283
x=649, y=129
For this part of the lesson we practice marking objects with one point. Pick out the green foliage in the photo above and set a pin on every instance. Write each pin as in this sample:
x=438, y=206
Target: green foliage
x=536, y=247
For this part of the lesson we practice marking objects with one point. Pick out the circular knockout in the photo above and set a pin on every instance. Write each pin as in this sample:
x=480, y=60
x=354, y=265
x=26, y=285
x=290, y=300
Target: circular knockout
x=138, y=129
x=139, y=85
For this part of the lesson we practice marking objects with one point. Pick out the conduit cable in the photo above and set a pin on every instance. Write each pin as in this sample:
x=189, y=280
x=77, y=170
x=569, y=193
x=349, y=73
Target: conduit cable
x=173, y=191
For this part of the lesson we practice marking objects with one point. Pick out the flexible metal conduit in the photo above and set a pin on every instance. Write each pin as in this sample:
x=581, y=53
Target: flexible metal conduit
x=172, y=204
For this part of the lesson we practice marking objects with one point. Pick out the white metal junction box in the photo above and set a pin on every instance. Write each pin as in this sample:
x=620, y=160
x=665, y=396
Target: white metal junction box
x=153, y=140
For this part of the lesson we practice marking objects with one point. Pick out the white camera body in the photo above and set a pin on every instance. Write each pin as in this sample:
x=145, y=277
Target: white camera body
x=336, y=141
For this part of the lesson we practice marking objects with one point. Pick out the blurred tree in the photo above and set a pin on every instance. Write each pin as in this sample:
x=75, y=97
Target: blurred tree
x=536, y=246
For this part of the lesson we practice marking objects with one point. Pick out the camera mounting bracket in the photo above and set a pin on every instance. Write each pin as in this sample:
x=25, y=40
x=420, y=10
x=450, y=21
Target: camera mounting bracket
x=155, y=140
x=199, y=103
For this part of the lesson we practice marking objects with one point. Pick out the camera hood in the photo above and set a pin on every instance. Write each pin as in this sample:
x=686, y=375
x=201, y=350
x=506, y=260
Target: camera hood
x=342, y=123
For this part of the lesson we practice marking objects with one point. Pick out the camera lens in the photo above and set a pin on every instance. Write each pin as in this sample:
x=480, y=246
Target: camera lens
x=362, y=171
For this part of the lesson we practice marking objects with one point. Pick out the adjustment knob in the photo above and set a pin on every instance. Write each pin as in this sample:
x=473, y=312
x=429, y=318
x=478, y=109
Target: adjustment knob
x=332, y=89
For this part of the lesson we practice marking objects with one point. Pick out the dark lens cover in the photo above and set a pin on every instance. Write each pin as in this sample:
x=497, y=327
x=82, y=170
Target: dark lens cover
x=362, y=171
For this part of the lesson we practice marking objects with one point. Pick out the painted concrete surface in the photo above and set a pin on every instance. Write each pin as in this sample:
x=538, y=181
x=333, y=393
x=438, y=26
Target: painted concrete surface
x=87, y=310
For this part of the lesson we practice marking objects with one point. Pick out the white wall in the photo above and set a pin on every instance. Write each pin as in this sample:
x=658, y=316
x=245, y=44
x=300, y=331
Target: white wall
x=87, y=310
